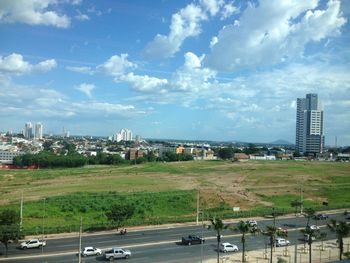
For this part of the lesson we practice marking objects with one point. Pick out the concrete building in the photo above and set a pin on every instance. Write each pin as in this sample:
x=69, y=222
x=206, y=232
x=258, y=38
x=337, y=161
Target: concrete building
x=309, y=125
x=38, y=131
x=123, y=135
x=28, y=130
x=134, y=153
x=6, y=157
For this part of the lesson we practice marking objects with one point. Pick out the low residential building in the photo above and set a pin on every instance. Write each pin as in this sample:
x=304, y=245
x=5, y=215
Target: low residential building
x=240, y=157
x=262, y=157
x=134, y=153
x=6, y=157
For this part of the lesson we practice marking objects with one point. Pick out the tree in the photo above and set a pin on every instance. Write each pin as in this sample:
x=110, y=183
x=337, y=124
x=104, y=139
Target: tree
x=309, y=213
x=341, y=230
x=9, y=227
x=296, y=204
x=311, y=235
x=272, y=232
x=119, y=213
x=244, y=228
x=225, y=153
x=218, y=226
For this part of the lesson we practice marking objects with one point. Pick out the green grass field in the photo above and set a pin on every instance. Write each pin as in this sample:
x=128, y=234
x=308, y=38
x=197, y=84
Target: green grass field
x=167, y=192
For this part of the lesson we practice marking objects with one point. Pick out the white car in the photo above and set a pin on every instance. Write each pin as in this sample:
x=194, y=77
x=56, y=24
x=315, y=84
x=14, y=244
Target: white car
x=91, y=251
x=280, y=242
x=252, y=223
x=314, y=227
x=228, y=247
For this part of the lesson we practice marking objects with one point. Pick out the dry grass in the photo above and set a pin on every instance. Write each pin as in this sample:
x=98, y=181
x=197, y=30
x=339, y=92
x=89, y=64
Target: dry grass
x=237, y=184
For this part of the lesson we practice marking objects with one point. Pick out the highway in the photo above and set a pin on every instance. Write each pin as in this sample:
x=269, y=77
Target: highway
x=159, y=244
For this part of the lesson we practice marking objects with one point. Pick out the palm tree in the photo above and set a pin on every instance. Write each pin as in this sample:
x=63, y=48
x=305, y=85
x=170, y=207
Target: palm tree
x=218, y=226
x=311, y=234
x=310, y=212
x=341, y=229
x=272, y=232
x=244, y=228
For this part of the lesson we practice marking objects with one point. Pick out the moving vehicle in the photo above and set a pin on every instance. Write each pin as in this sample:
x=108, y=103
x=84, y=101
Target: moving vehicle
x=320, y=217
x=252, y=223
x=116, y=253
x=91, y=251
x=33, y=243
x=192, y=239
x=314, y=227
x=228, y=247
x=280, y=242
x=283, y=230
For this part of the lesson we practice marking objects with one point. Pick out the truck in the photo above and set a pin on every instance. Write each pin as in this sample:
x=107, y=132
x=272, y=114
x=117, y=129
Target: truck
x=192, y=239
x=33, y=243
x=116, y=253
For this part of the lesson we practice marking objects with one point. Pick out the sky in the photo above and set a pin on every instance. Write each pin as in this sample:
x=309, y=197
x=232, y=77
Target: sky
x=217, y=70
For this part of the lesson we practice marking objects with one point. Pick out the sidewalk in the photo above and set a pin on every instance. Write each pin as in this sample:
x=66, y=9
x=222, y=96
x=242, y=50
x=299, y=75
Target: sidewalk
x=328, y=253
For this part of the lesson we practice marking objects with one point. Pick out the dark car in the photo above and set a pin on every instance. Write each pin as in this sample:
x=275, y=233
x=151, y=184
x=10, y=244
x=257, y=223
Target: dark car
x=192, y=239
x=320, y=217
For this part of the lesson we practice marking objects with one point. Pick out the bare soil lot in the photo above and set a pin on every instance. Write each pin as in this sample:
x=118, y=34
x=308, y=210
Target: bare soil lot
x=237, y=184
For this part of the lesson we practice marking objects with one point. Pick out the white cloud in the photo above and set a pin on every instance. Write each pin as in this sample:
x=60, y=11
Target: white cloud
x=14, y=64
x=213, y=41
x=192, y=76
x=22, y=101
x=86, y=88
x=82, y=17
x=228, y=10
x=272, y=32
x=184, y=24
x=83, y=70
x=144, y=83
x=212, y=6
x=116, y=65
x=33, y=12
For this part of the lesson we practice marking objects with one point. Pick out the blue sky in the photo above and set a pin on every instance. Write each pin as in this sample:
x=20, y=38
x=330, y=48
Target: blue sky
x=196, y=70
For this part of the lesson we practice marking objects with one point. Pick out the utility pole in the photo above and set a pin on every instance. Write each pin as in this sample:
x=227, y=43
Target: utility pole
x=80, y=230
x=21, y=213
x=43, y=227
x=301, y=200
x=197, y=208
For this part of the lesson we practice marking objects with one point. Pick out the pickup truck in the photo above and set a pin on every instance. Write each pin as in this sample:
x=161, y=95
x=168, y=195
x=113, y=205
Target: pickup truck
x=116, y=252
x=192, y=239
x=33, y=243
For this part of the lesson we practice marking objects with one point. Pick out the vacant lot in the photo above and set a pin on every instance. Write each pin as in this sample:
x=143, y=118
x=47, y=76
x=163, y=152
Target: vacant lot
x=220, y=184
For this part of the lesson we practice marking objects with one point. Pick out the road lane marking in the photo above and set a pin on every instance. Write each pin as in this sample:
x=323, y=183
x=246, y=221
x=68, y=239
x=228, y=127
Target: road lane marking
x=125, y=246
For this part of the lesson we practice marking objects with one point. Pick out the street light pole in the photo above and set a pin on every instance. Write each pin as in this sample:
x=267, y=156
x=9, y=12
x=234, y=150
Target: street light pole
x=21, y=213
x=80, y=230
x=43, y=227
x=301, y=200
x=197, y=208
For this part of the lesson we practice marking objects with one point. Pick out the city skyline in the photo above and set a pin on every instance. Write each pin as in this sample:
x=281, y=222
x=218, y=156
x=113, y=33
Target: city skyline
x=194, y=70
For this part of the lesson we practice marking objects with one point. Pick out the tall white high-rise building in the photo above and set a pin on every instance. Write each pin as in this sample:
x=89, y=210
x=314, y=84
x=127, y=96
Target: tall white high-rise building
x=123, y=135
x=309, y=125
x=38, y=131
x=28, y=130
x=126, y=134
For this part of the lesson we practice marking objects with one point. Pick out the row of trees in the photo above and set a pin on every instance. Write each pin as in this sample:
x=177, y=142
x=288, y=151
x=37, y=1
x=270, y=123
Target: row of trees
x=50, y=160
x=228, y=152
x=340, y=228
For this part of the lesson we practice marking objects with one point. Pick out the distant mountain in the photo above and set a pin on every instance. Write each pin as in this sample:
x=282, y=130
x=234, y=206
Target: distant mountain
x=281, y=142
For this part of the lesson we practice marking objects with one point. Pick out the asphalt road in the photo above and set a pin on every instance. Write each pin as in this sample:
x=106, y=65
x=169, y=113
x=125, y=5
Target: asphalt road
x=159, y=245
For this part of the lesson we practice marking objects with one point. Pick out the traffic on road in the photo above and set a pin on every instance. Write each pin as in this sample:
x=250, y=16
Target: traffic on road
x=162, y=244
